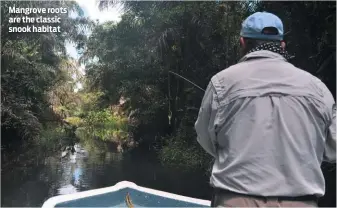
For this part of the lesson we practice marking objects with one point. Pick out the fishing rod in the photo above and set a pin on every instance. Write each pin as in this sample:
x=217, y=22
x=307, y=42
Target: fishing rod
x=169, y=92
x=187, y=80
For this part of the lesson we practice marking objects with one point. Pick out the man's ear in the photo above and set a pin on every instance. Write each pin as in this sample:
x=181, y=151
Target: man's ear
x=242, y=42
x=283, y=44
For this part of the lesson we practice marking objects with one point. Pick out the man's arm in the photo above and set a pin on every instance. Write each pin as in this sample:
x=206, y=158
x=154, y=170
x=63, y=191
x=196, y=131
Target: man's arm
x=205, y=124
x=330, y=144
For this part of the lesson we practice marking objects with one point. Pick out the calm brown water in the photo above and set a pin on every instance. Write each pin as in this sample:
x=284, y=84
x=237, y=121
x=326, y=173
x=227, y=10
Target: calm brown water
x=31, y=185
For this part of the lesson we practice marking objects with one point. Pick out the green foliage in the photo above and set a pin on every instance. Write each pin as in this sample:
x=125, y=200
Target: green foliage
x=178, y=152
x=106, y=126
x=91, y=100
x=53, y=137
x=74, y=121
x=91, y=143
x=196, y=40
x=62, y=96
x=31, y=66
x=132, y=59
x=182, y=149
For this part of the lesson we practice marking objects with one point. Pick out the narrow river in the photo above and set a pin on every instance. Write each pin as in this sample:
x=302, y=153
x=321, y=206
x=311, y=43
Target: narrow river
x=31, y=185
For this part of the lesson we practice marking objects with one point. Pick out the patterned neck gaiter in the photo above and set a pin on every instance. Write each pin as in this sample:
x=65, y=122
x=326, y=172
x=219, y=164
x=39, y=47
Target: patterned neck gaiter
x=273, y=47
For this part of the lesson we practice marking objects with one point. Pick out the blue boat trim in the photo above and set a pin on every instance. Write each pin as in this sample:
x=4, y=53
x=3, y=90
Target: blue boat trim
x=114, y=196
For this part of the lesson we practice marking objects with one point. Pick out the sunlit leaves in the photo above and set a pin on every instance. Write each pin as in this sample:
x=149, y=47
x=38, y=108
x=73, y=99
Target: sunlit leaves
x=32, y=66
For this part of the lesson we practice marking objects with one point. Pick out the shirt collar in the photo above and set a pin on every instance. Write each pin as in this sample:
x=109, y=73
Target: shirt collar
x=262, y=54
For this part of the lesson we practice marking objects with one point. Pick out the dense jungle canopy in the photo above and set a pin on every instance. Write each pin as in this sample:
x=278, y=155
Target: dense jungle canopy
x=128, y=94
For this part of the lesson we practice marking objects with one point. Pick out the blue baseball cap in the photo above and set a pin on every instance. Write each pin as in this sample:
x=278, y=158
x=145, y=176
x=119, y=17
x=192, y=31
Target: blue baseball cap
x=255, y=24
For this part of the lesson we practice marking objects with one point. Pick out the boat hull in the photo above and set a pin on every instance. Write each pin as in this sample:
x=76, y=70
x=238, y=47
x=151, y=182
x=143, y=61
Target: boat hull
x=114, y=196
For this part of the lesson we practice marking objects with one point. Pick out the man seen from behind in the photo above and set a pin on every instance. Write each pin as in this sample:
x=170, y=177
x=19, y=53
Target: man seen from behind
x=268, y=124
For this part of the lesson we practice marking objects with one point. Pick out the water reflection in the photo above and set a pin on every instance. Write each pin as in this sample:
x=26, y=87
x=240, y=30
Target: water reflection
x=31, y=186
x=67, y=189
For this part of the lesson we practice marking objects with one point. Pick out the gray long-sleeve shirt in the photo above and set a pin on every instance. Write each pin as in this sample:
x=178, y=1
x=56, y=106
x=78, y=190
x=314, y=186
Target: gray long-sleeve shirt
x=269, y=126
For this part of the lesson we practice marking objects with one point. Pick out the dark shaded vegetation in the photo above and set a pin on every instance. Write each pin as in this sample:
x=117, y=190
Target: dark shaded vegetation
x=132, y=60
x=32, y=64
